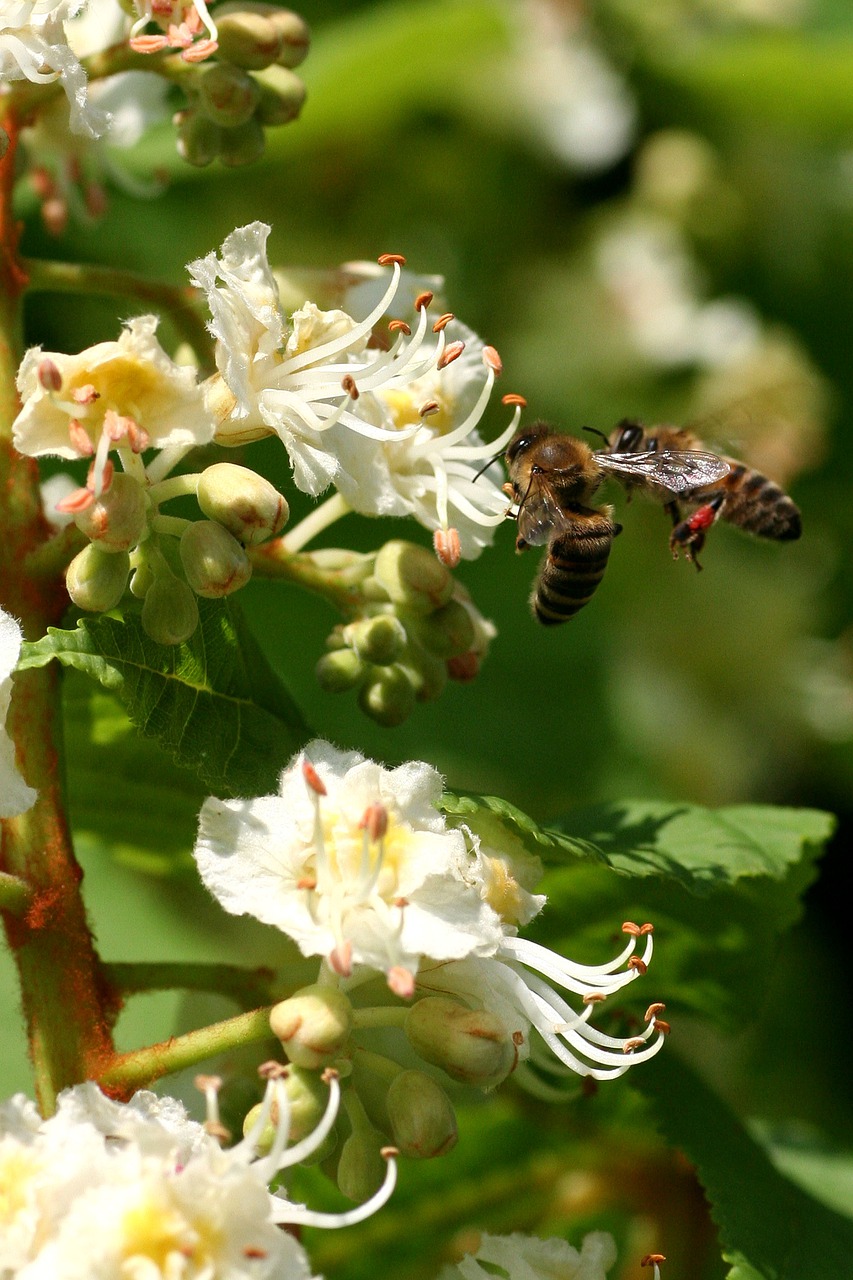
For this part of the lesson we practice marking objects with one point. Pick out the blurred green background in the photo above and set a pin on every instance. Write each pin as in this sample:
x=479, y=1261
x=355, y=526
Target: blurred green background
x=648, y=209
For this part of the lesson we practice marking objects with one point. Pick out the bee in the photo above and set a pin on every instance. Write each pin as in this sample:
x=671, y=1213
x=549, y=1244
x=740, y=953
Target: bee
x=553, y=482
x=741, y=495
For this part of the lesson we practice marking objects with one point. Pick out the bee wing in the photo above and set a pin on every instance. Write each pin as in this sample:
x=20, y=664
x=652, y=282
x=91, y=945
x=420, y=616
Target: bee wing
x=539, y=515
x=676, y=471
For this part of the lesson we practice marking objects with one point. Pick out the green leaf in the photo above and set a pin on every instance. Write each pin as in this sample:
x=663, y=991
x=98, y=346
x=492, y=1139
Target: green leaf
x=768, y=1226
x=212, y=703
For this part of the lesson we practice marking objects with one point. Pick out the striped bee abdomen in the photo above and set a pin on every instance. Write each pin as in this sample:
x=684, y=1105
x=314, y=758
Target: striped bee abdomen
x=573, y=567
x=757, y=504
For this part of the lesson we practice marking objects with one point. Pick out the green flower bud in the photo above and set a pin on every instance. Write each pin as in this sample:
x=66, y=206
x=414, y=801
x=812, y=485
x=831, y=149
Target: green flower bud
x=413, y=577
x=198, y=139
x=170, y=612
x=361, y=1168
x=379, y=640
x=241, y=500
x=387, y=696
x=225, y=94
x=422, y=1117
x=471, y=1045
x=308, y=1097
x=243, y=145
x=427, y=675
x=281, y=96
x=447, y=632
x=264, y=1142
x=142, y=578
x=249, y=40
x=295, y=37
x=313, y=1025
x=96, y=578
x=116, y=520
x=213, y=560
x=340, y=671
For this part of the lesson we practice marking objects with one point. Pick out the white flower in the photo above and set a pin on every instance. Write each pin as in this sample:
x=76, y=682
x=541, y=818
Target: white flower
x=517, y=1256
x=15, y=796
x=34, y=46
x=109, y=1191
x=394, y=430
x=365, y=874
x=127, y=394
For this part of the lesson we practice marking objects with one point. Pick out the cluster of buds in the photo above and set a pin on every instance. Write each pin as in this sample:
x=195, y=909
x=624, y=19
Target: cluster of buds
x=251, y=85
x=416, y=628
x=169, y=560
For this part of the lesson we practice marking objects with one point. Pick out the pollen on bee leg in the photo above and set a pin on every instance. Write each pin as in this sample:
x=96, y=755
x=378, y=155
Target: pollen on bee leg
x=443, y=321
x=401, y=981
x=448, y=547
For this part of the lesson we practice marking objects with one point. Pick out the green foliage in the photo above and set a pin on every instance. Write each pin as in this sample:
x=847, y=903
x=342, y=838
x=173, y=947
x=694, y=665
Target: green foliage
x=212, y=703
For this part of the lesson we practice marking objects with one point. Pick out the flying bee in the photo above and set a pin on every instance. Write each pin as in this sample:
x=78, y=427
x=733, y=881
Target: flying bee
x=741, y=495
x=553, y=482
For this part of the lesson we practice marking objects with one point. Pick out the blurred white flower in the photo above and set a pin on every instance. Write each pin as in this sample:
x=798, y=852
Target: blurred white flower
x=15, y=796
x=102, y=1190
x=393, y=429
x=34, y=46
x=517, y=1256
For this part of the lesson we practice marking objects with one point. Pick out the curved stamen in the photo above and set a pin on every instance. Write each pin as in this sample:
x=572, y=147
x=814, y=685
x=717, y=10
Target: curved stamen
x=308, y=1145
x=297, y=1214
x=469, y=423
x=361, y=330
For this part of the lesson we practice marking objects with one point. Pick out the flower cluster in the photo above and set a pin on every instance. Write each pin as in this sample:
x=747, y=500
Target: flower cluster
x=387, y=415
x=357, y=864
x=517, y=1255
x=34, y=47
x=102, y=1189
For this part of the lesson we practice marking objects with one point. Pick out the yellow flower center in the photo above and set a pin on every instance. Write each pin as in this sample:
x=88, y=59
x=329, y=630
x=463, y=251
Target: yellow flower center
x=154, y=1231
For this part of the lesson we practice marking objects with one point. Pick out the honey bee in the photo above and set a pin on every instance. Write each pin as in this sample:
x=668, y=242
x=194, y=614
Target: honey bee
x=742, y=496
x=553, y=481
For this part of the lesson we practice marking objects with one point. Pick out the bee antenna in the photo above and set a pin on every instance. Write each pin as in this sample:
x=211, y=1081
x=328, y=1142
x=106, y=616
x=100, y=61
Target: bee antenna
x=594, y=431
x=497, y=457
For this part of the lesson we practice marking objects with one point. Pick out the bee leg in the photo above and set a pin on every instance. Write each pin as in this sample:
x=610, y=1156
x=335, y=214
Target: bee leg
x=673, y=510
x=690, y=534
x=617, y=529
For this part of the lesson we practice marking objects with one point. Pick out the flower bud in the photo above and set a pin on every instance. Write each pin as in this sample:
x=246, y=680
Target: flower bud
x=241, y=500
x=361, y=1168
x=225, y=94
x=387, y=696
x=339, y=671
x=380, y=640
x=471, y=1045
x=198, y=139
x=307, y=1096
x=313, y=1025
x=242, y=145
x=413, y=577
x=295, y=37
x=427, y=674
x=116, y=520
x=447, y=632
x=213, y=560
x=249, y=40
x=281, y=95
x=170, y=612
x=423, y=1121
x=96, y=578
x=142, y=578
x=263, y=1143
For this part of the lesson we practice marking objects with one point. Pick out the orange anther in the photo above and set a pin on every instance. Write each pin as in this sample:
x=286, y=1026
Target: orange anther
x=374, y=820
x=399, y=326
x=443, y=321
x=349, y=386
x=492, y=360
x=653, y=1010
x=647, y=928
x=388, y=259
x=447, y=546
x=594, y=997
x=630, y=927
x=451, y=352
x=423, y=300
x=630, y=1045
x=313, y=779
x=636, y=963
x=49, y=375
x=663, y=1027
x=512, y=398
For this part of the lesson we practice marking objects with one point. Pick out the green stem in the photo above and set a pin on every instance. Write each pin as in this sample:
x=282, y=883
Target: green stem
x=16, y=896
x=318, y=520
x=129, y=1071
x=246, y=986
x=377, y=1064
x=380, y=1016
x=175, y=487
x=180, y=302
x=337, y=576
x=175, y=526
